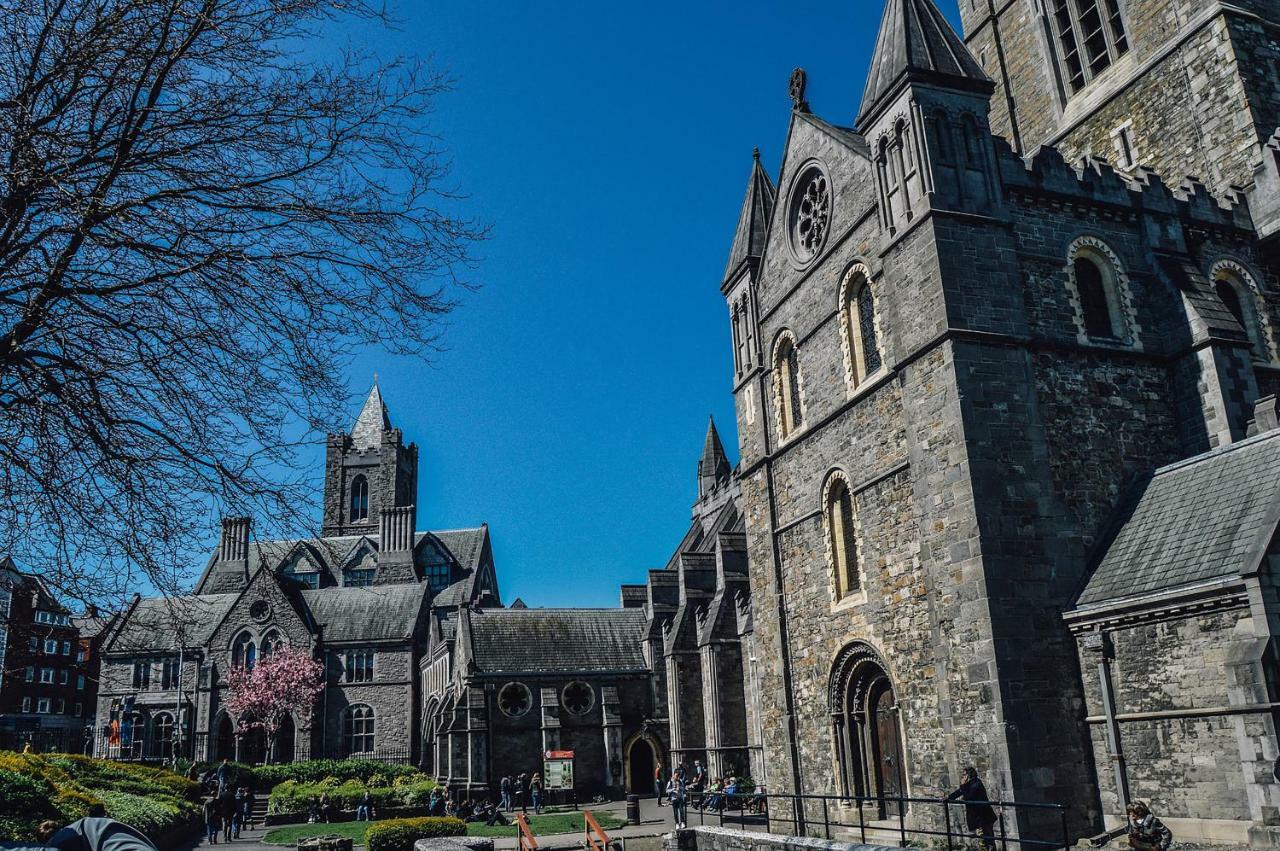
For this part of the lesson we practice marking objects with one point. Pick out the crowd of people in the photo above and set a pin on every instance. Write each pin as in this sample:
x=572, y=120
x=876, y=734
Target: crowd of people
x=687, y=788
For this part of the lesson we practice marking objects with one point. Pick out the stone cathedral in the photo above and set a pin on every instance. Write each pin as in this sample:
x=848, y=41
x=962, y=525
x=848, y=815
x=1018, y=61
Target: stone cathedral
x=1005, y=354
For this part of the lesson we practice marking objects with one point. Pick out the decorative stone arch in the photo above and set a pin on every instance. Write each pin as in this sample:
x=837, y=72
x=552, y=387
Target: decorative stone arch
x=870, y=747
x=1262, y=333
x=1119, y=295
x=631, y=757
x=862, y=358
x=243, y=641
x=788, y=390
x=837, y=478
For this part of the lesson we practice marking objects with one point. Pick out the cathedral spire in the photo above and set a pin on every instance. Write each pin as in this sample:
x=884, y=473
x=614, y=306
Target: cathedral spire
x=713, y=467
x=916, y=44
x=372, y=422
x=753, y=221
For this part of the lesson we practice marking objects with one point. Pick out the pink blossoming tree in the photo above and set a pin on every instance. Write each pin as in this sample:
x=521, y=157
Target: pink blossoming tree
x=284, y=682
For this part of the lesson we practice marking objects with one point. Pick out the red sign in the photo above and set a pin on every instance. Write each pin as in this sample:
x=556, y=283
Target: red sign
x=557, y=755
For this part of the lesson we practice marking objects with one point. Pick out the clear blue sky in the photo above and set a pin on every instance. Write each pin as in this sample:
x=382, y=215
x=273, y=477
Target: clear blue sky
x=608, y=145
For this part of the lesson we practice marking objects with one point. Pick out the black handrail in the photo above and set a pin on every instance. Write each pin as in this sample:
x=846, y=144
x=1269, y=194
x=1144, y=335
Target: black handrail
x=756, y=809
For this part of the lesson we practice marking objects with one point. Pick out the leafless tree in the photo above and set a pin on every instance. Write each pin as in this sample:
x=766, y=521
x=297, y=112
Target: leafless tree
x=200, y=222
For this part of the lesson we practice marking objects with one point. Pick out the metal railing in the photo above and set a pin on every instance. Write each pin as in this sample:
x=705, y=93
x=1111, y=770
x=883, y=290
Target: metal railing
x=904, y=820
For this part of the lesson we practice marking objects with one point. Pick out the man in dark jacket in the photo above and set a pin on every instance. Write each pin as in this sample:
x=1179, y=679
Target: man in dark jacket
x=979, y=817
x=1146, y=832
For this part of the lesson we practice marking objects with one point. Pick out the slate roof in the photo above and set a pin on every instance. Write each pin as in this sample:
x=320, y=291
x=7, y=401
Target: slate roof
x=753, y=221
x=372, y=421
x=376, y=613
x=1209, y=517
x=916, y=41
x=557, y=640
x=153, y=624
x=713, y=462
x=466, y=545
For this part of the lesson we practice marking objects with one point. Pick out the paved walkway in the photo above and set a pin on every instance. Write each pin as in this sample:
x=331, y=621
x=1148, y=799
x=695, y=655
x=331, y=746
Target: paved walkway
x=654, y=821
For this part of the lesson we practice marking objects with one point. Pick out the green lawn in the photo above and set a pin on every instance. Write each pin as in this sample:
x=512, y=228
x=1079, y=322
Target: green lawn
x=544, y=825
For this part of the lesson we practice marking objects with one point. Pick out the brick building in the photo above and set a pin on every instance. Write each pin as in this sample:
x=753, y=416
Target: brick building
x=964, y=344
x=45, y=679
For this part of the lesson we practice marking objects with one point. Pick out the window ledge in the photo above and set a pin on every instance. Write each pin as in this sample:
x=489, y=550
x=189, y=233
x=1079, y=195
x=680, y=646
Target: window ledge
x=851, y=601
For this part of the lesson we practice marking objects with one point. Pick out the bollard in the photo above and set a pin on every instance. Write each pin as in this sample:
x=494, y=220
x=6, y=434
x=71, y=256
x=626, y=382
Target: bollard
x=633, y=809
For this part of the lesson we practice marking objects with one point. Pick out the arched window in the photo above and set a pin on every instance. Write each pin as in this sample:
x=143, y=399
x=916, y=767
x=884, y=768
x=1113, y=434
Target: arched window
x=162, y=735
x=1237, y=296
x=1094, y=302
x=858, y=321
x=1105, y=310
x=271, y=642
x=244, y=651
x=786, y=378
x=843, y=541
x=359, y=498
x=358, y=730
x=1090, y=36
x=945, y=145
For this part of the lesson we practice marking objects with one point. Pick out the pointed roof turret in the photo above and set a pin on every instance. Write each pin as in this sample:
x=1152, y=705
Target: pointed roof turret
x=753, y=221
x=713, y=467
x=372, y=422
x=916, y=43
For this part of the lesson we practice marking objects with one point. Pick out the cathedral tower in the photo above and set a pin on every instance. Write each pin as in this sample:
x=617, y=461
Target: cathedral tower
x=367, y=472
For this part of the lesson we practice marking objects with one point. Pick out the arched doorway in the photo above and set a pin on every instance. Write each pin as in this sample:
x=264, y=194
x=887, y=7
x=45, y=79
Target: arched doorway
x=224, y=739
x=867, y=728
x=253, y=747
x=641, y=761
x=282, y=749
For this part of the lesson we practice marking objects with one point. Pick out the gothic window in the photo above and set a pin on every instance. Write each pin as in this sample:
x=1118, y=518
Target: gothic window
x=169, y=673
x=271, y=642
x=359, y=499
x=842, y=540
x=162, y=735
x=578, y=697
x=515, y=700
x=1094, y=303
x=359, y=666
x=858, y=321
x=244, y=651
x=141, y=674
x=786, y=379
x=810, y=214
x=357, y=731
x=1238, y=297
x=896, y=169
x=1090, y=36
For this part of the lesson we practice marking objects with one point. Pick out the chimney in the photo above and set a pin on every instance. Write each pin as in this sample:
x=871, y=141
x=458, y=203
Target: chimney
x=235, y=540
x=1266, y=416
x=395, y=544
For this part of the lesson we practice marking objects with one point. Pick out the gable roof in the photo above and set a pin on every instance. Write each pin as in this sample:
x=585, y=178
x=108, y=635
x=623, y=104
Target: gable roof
x=375, y=613
x=753, y=220
x=530, y=641
x=155, y=624
x=1209, y=517
x=916, y=42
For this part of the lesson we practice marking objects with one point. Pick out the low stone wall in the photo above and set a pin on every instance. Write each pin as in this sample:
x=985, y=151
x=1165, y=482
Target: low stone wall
x=454, y=843
x=726, y=839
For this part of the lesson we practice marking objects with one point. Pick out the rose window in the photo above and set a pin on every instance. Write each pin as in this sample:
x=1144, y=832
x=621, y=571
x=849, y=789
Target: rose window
x=578, y=698
x=810, y=214
x=514, y=700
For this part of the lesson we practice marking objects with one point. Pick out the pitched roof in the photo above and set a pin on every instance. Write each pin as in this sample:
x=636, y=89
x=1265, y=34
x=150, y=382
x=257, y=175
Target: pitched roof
x=372, y=421
x=557, y=640
x=375, y=613
x=753, y=221
x=713, y=461
x=156, y=624
x=916, y=42
x=466, y=545
x=1209, y=517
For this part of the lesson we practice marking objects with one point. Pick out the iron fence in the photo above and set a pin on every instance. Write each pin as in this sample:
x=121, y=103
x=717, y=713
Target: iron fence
x=908, y=821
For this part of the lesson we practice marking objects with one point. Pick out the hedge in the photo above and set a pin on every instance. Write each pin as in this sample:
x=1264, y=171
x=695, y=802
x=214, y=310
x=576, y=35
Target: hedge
x=399, y=834
x=294, y=797
x=266, y=777
x=61, y=787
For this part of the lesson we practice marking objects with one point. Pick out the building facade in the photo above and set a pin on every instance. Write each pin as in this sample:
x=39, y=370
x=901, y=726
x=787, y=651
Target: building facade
x=960, y=336
x=358, y=598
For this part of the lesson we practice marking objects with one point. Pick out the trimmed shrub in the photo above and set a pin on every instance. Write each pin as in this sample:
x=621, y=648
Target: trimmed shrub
x=25, y=801
x=315, y=770
x=399, y=834
x=294, y=797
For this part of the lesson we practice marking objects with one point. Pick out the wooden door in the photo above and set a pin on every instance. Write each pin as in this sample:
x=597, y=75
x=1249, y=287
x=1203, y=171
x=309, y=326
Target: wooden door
x=888, y=747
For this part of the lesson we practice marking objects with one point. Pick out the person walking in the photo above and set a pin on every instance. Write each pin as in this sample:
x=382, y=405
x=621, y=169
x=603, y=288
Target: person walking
x=535, y=791
x=979, y=817
x=246, y=817
x=658, y=786
x=504, y=792
x=1146, y=832
x=237, y=819
x=677, y=794
x=227, y=810
x=212, y=820
x=522, y=791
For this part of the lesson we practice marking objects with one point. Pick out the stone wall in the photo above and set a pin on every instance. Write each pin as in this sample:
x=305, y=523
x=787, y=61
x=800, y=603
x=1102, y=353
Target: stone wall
x=726, y=839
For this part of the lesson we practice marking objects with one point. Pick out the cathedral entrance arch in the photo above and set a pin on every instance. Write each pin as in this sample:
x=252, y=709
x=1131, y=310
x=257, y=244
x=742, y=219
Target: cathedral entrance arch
x=283, y=748
x=867, y=728
x=642, y=759
x=224, y=739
